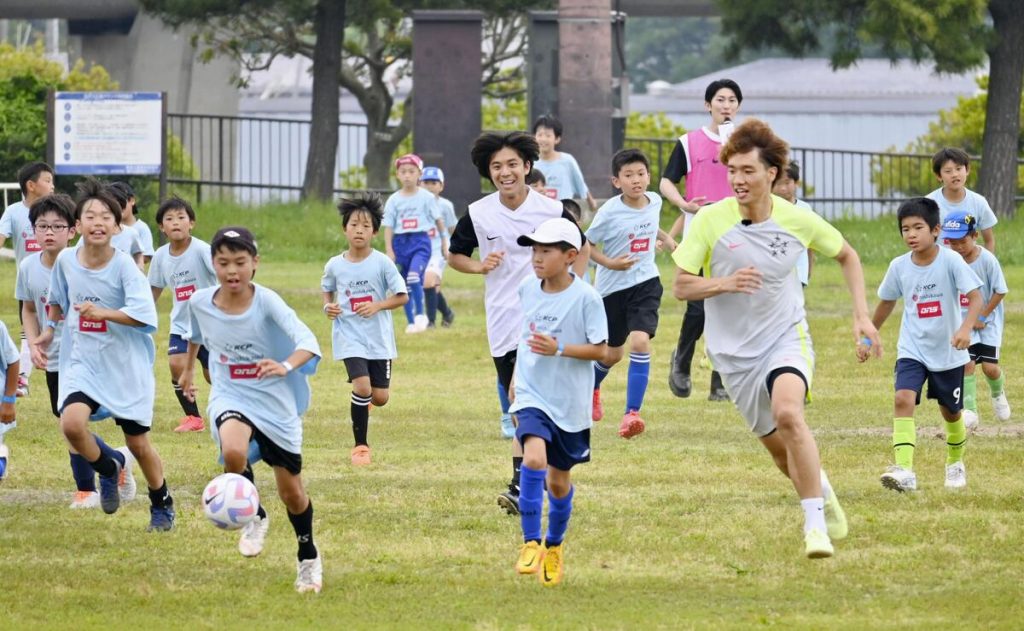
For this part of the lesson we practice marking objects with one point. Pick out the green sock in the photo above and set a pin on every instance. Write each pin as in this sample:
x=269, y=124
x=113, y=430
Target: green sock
x=996, y=384
x=971, y=393
x=956, y=438
x=904, y=437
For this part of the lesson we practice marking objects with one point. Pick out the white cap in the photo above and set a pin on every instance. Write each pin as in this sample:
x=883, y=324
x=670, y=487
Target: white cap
x=552, y=231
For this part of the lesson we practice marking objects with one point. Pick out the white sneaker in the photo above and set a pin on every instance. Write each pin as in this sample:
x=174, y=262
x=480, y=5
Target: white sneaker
x=970, y=419
x=253, y=536
x=899, y=479
x=956, y=475
x=22, y=390
x=85, y=499
x=310, y=577
x=421, y=322
x=126, y=486
x=412, y=328
x=1001, y=407
x=5, y=461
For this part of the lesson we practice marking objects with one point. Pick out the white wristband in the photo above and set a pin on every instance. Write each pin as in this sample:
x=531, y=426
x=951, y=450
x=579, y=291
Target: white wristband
x=287, y=366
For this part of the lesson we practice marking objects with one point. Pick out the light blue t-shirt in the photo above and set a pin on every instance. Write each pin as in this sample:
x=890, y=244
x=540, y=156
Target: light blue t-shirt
x=411, y=213
x=8, y=355
x=972, y=203
x=988, y=270
x=448, y=219
x=145, y=236
x=127, y=241
x=931, y=306
x=185, y=274
x=33, y=285
x=269, y=329
x=371, y=280
x=110, y=363
x=563, y=175
x=562, y=387
x=625, y=231
x=15, y=225
x=803, y=264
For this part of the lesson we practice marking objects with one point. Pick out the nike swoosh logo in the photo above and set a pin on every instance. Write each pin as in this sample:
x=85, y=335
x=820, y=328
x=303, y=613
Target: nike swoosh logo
x=733, y=246
x=491, y=238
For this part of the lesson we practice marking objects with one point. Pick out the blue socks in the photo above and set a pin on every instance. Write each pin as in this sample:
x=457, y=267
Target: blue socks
x=531, y=501
x=503, y=398
x=600, y=372
x=559, y=511
x=81, y=470
x=636, y=380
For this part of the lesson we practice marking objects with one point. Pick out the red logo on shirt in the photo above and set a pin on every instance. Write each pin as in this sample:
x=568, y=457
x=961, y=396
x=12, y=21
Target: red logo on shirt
x=353, y=302
x=551, y=192
x=31, y=245
x=640, y=245
x=432, y=233
x=410, y=224
x=964, y=300
x=243, y=371
x=181, y=294
x=929, y=309
x=86, y=325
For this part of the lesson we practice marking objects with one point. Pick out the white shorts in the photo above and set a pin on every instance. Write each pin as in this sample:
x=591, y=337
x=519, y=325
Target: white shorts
x=749, y=389
x=436, y=264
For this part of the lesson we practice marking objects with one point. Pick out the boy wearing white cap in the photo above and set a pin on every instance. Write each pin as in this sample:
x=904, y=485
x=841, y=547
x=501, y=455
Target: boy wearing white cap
x=433, y=180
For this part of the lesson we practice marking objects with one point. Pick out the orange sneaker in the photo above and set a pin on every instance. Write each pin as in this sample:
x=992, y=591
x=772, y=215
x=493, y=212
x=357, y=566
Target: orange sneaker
x=360, y=455
x=191, y=424
x=598, y=412
x=632, y=425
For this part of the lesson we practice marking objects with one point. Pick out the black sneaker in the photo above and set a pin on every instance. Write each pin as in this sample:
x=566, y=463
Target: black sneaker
x=110, y=496
x=509, y=500
x=678, y=381
x=718, y=394
x=446, y=320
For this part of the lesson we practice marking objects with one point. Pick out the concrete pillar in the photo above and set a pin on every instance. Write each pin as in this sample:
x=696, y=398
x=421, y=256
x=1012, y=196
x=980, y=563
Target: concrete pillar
x=542, y=65
x=585, y=88
x=446, y=71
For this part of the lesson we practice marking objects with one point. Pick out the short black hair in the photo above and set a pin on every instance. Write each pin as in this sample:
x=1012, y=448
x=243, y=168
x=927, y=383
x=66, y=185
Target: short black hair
x=234, y=239
x=793, y=170
x=367, y=202
x=174, y=203
x=950, y=154
x=92, y=189
x=922, y=207
x=551, y=122
x=573, y=208
x=117, y=193
x=30, y=173
x=717, y=85
x=129, y=193
x=57, y=203
x=488, y=144
x=535, y=176
x=628, y=156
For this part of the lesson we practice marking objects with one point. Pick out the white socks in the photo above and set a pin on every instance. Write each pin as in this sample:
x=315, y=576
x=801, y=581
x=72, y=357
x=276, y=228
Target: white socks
x=814, y=514
x=25, y=367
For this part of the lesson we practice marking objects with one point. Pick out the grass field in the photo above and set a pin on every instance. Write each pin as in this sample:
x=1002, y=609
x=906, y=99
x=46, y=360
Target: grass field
x=686, y=526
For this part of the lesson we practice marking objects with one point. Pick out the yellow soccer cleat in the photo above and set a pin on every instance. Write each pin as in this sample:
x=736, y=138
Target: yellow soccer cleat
x=835, y=517
x=531, y=557
x=551, y=573
x=817, y=544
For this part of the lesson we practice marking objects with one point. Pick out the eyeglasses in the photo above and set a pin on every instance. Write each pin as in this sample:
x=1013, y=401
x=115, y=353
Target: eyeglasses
x=45, y=227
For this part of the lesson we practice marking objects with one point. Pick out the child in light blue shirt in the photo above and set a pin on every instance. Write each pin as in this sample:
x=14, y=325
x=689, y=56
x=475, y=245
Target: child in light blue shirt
x=564, y=331
x=952, y=166
x=433, y=180
x=360, y=288
x=9, y=361
x=561, y=171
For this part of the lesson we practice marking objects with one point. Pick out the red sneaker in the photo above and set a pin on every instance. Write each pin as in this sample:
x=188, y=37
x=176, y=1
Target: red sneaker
x=191, y=424
x=632, y=425
x=598, y=411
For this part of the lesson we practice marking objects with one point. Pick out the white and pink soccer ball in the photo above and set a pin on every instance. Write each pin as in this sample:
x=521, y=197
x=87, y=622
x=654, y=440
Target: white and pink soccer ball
x=230, y=501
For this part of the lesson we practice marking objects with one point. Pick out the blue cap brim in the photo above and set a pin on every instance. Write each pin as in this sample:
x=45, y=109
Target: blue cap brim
x=953, y=234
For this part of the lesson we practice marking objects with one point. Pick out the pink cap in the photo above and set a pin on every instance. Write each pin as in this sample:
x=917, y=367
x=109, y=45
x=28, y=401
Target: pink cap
x=409, y=158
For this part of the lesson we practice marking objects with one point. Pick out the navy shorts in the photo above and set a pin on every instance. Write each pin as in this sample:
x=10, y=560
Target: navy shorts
x=270, y=452
x=177, y=345
x=378, y=370
x=633, y=309
x=945, y=386
x=565, y=449
x=984, y=354
x=412, y=253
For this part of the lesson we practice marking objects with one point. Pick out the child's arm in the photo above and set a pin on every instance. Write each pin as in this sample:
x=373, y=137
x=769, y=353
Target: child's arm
x=619, y=264
x=579, y=266
x=187, y=379
x=986, y=312
x=10, y=387
x=882, y=312
x=666, y=241
x=441, y=232
x=271, y=368
x=962, y=337
x=591, y=202
x=677, y=226
x=30, y=324
x=331, y=308
x=156, y=292
x=546, y=345
x=90, y=311
x=389, y=235
x=367, y=309
x=53, y=315
x=988, y=237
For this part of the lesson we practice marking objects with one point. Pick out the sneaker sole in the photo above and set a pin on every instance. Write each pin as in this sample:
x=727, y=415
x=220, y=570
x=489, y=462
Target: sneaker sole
x=820, y=553
x=893, y=485
x=635, y=428
x=510, y=507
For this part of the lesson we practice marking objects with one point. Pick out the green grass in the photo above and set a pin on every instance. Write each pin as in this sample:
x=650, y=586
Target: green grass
x=686, y=526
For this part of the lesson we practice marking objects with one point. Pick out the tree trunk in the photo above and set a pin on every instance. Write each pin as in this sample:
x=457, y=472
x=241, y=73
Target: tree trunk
x=998, y=178
x=323, y=131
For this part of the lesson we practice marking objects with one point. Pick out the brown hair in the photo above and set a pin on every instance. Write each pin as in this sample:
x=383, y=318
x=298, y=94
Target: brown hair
x=755, y=134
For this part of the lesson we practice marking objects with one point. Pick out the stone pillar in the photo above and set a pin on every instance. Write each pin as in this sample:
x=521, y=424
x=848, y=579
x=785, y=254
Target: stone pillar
x=446, y=71
x=542, y=65
x=585, y=88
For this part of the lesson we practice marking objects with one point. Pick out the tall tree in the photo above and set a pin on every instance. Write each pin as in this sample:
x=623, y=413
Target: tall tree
x=955, y=35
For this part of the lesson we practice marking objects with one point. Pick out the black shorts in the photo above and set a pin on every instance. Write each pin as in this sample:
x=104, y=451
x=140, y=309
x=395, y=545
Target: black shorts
x=633, y=309
x=506, y=367
x=378, y=370
x=984, y=354
x=130, y=428
x=270, y=452
x=945, y=386
x=53, y=385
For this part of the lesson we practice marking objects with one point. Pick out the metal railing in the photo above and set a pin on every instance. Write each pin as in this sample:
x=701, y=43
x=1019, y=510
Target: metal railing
x=10, y=191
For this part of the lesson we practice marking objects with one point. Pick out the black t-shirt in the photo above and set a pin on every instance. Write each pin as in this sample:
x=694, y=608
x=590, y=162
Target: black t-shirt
x=675, y=170
x=464, y=239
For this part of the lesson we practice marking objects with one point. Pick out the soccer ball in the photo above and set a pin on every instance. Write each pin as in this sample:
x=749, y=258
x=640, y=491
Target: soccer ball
x=230, y=501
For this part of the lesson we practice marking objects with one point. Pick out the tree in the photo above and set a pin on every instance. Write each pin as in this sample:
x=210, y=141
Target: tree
x=953, y=34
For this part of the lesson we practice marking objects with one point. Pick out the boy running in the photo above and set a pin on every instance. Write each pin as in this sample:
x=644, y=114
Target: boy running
x=960, y=232
x=952, y=166
x=563, y=332
x=561, y=171
x=9, y=368
x=748, y=247
x=933, y=342
x=260, y=388
x=628, y=281
x=184, y=264
x=433, y=180
x=130, y=219
x=785, y=187
x=107, y=351
x=360, y=288
x=409, y=215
